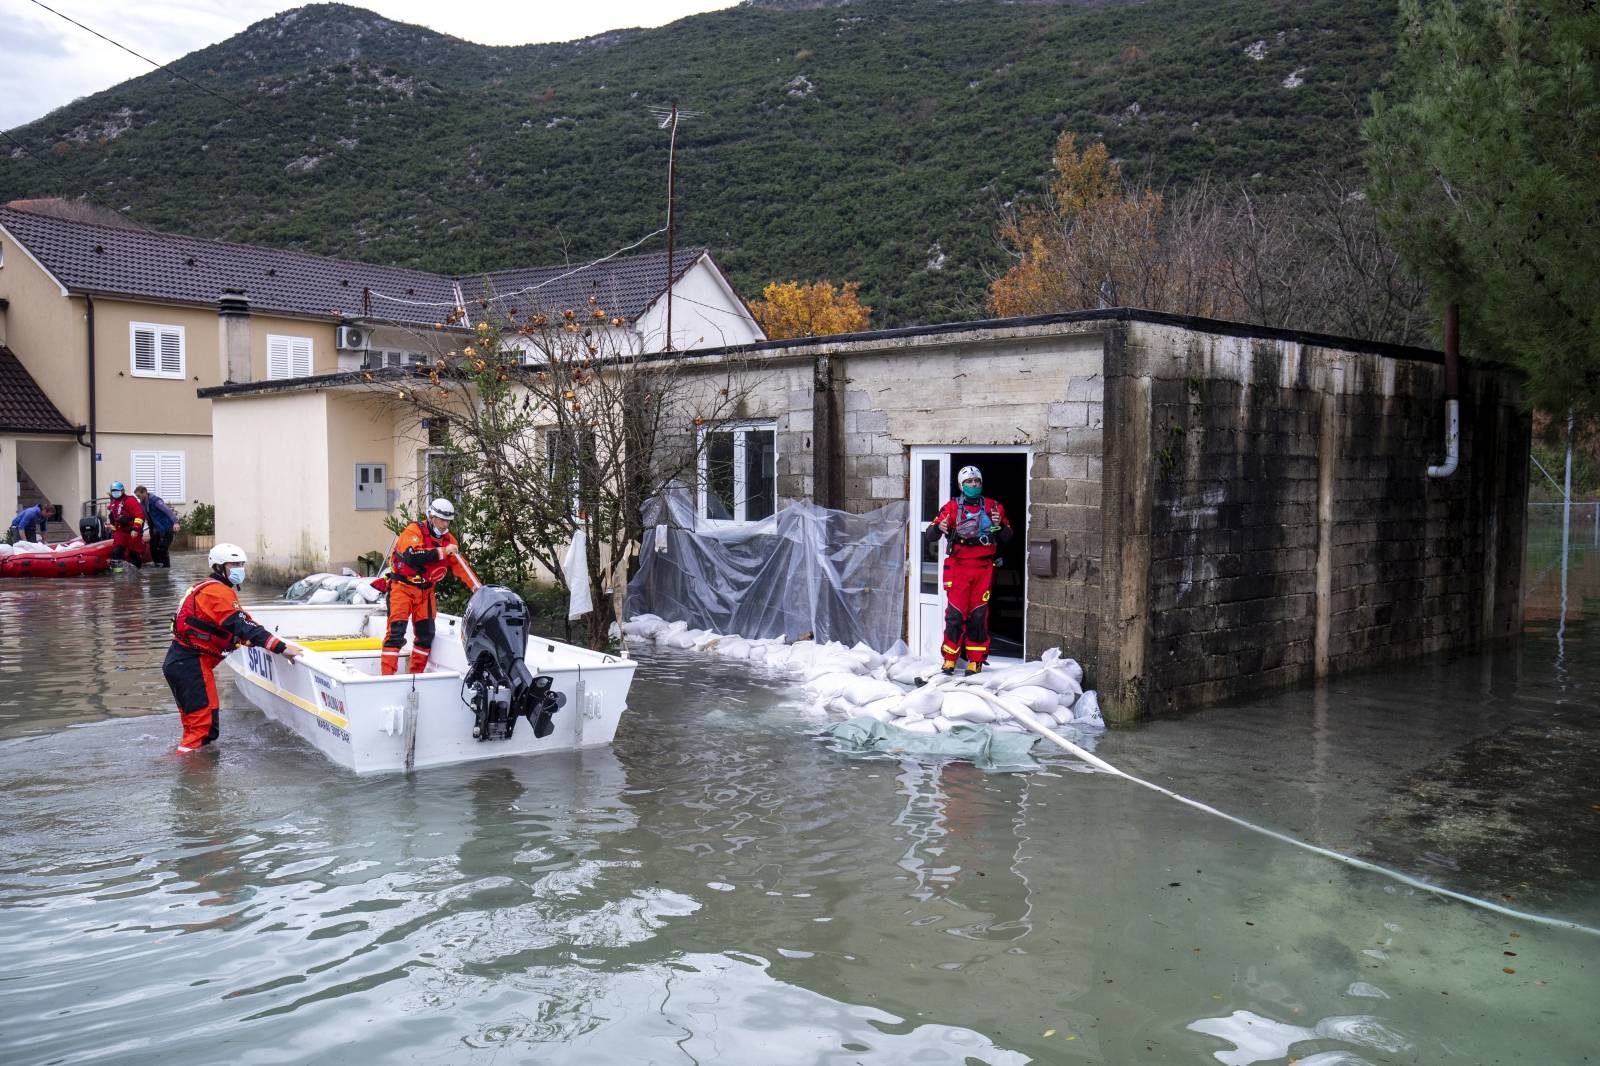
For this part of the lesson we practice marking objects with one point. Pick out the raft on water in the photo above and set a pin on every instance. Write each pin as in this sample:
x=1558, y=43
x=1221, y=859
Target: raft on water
x=72, y=559
x=490, y=689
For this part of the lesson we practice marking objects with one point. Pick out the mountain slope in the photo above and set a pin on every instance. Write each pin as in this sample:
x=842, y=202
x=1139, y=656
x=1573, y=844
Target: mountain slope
x=874, y=141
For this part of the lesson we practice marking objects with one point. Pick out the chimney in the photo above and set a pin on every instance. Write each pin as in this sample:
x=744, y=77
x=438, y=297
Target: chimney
x=233, y=336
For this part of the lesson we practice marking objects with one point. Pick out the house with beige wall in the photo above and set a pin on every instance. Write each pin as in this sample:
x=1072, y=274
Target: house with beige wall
x=120, y=328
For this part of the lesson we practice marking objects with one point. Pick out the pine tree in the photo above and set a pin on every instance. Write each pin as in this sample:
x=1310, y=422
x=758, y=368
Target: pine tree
x=1484, y=156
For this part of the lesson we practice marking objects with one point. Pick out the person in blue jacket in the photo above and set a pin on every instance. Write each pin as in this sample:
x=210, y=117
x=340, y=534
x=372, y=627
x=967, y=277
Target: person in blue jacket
x=162, y=522
x=30, y=523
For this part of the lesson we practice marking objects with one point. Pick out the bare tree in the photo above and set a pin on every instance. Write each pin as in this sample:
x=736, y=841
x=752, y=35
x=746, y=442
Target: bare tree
x=558, y=423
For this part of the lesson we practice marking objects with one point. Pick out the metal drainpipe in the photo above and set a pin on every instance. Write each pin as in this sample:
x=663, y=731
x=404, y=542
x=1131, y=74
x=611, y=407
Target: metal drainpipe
x=94, y=426
x=1452, y=393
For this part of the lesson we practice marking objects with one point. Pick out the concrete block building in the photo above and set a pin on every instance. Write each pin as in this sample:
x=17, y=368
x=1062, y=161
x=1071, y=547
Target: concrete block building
x=1204, y=509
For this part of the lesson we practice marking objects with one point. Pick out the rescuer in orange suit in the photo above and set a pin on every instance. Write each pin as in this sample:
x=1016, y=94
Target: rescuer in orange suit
x=127, y=528
x=423, y=554
x=209, y=624
x=976, y=525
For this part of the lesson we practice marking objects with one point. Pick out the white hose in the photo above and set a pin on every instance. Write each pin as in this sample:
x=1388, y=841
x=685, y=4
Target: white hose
x=1026, y=718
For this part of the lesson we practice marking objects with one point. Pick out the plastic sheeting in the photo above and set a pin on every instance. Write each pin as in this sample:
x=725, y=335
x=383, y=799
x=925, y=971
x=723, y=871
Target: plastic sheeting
x=575, y=571
x=986, y=748
x=806, y=569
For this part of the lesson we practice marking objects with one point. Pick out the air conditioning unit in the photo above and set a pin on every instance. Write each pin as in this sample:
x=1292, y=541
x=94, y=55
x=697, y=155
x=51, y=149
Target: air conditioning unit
x=352, y=338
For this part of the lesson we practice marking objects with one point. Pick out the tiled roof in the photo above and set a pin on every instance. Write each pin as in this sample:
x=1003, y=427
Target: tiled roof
x=624, y=286
x=166, y=268
x=24, y=408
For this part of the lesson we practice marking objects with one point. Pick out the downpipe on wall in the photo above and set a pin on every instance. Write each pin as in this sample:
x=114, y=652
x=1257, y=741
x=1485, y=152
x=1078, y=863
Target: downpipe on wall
x=1452, y=393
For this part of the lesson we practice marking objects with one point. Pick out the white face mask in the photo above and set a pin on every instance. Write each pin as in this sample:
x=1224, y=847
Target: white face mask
x=235, y=575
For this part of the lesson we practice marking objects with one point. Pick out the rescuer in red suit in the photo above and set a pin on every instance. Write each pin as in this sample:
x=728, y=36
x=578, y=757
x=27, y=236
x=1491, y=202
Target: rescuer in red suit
x=127, y=528
x=976, y=526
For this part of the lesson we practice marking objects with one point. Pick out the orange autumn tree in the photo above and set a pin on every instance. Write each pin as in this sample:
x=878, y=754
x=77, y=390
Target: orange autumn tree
x=793, y=309
x=1098, y=241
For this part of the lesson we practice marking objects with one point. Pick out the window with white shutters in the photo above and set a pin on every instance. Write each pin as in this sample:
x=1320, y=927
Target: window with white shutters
x=157, y=351
x=162, y=473
x=288, y=357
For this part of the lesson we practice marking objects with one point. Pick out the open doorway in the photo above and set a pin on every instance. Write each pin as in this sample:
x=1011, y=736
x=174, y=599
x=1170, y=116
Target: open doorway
x=933, y=484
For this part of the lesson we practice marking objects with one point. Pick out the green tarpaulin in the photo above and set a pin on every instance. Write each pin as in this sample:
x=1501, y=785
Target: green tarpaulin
x=990, y=749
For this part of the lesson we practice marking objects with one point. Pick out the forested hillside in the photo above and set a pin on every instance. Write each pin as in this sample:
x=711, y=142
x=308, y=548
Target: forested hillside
x=873, y=141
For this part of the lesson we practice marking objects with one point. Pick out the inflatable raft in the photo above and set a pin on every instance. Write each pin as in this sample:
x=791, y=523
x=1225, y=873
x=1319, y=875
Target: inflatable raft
x=72, y=559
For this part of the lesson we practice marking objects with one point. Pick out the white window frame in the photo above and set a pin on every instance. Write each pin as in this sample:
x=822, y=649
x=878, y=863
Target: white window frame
x=738, y=429
x=295, y=349
x=158, y=332
x=160, y=485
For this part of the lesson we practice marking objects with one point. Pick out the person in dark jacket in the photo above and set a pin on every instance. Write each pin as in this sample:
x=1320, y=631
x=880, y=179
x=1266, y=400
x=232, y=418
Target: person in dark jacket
x=30, y=523
x=162, y=522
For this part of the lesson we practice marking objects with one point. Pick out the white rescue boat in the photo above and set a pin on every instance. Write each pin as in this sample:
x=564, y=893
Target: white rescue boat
x=490, y=690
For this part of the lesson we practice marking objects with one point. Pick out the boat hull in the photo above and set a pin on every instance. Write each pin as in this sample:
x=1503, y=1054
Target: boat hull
x=72, y=561
x=336, y=700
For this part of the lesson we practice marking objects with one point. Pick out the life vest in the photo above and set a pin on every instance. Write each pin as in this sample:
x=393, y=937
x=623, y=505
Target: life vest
x=429, y=575
x=192, y=630
x=972, y=527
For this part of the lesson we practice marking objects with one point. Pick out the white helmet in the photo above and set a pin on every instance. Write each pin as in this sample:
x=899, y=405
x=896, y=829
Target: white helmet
x=442, y=509
x=967, y=474
x=223, y=554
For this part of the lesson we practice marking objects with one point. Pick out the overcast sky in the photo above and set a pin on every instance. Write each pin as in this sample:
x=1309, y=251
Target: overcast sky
x=46, y=62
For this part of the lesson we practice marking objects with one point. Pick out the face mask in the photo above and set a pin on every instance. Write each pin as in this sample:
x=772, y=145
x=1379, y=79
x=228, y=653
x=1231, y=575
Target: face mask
x=436, y=531
x=116, y=495
x=236, y=576
x=972, y=492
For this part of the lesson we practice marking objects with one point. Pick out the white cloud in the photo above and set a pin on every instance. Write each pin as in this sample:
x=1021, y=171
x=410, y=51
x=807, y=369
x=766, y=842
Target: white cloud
x=47, y=62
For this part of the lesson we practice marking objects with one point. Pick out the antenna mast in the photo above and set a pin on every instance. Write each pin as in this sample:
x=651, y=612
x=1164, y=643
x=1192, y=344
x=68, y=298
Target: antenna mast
x=669, y=117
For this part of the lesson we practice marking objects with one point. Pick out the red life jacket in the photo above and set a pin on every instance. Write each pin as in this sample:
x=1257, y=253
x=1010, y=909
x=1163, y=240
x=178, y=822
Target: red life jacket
x=193, y=630
x=429, y=575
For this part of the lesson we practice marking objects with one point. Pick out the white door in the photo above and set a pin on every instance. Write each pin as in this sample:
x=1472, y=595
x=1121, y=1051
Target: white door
x=930, y=490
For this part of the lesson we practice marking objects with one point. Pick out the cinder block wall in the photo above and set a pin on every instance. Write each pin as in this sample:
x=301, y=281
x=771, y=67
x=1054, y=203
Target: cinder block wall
x=1269, y=518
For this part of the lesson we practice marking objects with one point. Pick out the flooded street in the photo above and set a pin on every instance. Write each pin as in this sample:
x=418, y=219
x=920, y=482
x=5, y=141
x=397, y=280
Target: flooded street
x=719, y=886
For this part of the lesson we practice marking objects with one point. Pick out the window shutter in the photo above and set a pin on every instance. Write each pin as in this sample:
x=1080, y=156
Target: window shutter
x=172, y=353
x=146, y=472
x=277, y=357
x=301, y=357
x=171, y=477
x=144, y=350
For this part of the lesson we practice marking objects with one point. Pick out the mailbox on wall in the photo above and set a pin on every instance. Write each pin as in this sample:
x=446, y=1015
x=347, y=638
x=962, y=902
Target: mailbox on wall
x=1042, y=557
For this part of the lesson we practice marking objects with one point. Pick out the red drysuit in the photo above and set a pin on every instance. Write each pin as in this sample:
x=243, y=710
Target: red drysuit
x=975, y=529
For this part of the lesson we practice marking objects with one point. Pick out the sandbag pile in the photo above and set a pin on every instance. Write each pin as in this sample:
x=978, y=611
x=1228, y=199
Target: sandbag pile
x=348, y=587
x=859, y=681
x=25, y=547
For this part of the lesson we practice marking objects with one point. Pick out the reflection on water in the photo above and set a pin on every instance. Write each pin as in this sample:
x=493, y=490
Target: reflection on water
x=720, y=887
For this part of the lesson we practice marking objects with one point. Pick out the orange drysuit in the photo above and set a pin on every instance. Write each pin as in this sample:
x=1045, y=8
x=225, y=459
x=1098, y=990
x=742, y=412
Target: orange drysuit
x=209, y=624
x=416, y=564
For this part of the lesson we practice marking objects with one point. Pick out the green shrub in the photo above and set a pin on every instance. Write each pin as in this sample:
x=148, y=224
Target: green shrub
x=201, y=520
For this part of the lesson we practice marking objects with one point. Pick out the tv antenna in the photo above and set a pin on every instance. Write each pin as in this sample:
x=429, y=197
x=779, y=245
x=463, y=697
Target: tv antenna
x=667, y=118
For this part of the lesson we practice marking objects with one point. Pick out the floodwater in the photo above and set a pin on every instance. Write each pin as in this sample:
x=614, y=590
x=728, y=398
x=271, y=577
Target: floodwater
x=720, y=887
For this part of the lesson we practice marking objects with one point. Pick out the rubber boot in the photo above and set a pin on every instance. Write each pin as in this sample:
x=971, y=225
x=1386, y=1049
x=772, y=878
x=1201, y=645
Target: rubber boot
x=974, y=668
x=949, y=666
x=419, y=660
x=390, y=663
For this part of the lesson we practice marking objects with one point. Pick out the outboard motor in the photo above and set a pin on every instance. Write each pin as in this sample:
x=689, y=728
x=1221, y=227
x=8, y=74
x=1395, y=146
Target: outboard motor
x=498, y=685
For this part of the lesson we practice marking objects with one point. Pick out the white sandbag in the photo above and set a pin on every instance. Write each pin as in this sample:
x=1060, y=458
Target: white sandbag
x=833, y=664
x=966, y=706
x=917, y=725
x=366, y=593
x=883, y=710
x=28, y=547
x=941, y=724
x=322, y=596
x=906, y=669
x=644, y=625
x=826, y=686
x=682, y=638
x=869, y=658
x=705, y=639
x=922, y=702
x=864, y=690
x=759, y=651
x=5, y=550
x=1036, y=698
x=733, y=648
x=1087, y=710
